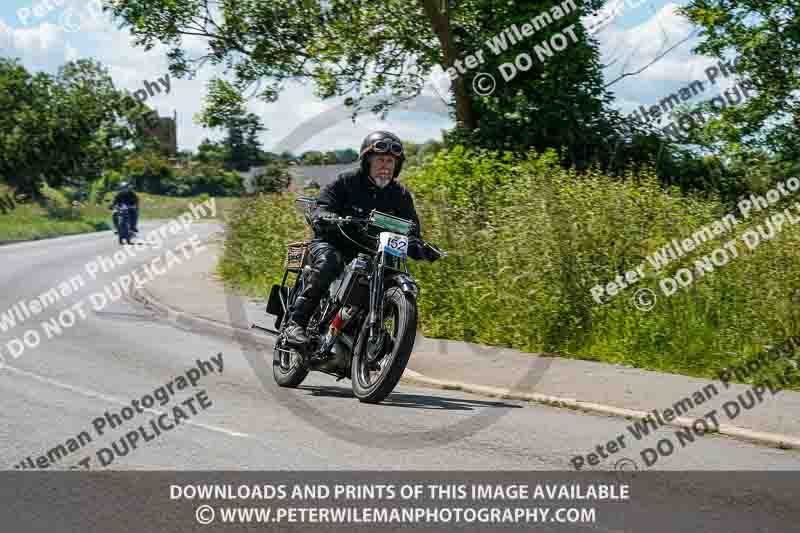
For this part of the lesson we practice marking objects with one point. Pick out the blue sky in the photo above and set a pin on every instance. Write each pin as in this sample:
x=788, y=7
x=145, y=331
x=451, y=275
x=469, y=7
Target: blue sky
x=44, y=39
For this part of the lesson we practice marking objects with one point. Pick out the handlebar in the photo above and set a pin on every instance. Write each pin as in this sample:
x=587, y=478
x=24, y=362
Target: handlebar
x=345, y=220
x=363, y=220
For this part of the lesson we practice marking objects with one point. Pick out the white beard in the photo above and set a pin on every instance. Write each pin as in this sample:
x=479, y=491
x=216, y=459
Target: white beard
x=382, y=182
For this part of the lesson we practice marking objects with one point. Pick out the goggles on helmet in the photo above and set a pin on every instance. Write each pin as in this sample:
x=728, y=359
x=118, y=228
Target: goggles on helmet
x=385, y=147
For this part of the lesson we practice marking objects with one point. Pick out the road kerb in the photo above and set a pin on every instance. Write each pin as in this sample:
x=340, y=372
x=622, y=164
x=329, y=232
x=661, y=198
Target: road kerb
x=775, y=440
x=177, y=316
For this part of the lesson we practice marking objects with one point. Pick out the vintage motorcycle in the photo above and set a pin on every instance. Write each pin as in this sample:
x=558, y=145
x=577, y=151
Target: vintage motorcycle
x=125, y=223
x=365, y=326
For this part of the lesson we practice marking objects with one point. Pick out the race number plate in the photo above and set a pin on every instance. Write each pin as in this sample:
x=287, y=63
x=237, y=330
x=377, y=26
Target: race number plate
x=394, y=244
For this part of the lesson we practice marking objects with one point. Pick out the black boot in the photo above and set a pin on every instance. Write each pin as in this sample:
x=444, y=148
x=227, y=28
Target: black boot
x=296, y=334
x=298, y=320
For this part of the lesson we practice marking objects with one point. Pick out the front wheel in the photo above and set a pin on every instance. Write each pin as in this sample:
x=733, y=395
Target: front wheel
x=376, y=373
x=124, y=231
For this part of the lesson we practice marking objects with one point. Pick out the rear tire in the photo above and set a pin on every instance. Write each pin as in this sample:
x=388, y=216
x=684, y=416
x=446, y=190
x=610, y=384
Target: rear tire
x=374, y=389
x=289, y=374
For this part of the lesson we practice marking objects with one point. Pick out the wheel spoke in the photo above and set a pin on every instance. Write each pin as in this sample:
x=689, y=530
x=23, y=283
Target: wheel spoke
x=390, y=325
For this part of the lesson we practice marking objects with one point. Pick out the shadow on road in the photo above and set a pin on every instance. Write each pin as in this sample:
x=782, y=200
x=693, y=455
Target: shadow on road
x=414, y=401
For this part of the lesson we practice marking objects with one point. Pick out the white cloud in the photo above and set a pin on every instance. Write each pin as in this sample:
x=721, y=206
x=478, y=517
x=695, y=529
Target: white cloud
x=39, y=48
x=599, y=21
x=632, y=49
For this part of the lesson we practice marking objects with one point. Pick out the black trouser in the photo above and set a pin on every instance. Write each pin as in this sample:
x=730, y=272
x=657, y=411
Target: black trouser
x=134, y=214
x=326, y=264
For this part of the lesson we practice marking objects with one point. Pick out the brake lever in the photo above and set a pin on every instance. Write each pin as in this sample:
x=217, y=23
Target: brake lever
x=436, y=249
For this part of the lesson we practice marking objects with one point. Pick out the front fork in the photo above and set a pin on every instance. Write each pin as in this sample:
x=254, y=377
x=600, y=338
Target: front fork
x=376, y=298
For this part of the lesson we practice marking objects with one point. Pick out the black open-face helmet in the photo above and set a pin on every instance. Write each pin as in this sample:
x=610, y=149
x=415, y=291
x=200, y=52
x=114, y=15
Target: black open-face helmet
x=382, y=142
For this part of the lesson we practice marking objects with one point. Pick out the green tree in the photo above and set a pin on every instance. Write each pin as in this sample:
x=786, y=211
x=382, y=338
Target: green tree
x=201, y=177
x=346, y=156
x=64, y=129
x=275, y=179
x=763, y=39
x=209, y=151
x=313, y=157
x=386, y=51
x=243, y=148
x=329, y=158
x=148, y=172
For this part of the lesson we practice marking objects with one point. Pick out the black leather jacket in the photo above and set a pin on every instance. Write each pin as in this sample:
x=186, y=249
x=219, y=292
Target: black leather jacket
x=126, y=198
x=354, y=194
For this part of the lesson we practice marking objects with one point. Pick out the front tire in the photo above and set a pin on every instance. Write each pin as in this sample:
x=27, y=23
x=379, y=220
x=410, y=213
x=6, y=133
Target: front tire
x=374, y=385
x=124, y=231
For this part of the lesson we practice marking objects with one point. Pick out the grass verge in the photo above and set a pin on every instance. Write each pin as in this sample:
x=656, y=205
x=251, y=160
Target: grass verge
x=32, y=222
x=28, y=222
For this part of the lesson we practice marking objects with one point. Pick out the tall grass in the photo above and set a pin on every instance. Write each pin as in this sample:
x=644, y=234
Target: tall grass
x=256, y=236
x=528, y=240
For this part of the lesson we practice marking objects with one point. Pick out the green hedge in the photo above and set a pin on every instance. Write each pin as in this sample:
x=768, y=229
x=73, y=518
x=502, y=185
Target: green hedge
x=528, y=240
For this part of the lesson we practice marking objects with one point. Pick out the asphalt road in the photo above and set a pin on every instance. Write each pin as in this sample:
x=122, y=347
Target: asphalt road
x=53, y=392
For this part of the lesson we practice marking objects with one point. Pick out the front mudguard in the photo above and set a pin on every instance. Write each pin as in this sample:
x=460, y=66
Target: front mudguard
x=405, y=283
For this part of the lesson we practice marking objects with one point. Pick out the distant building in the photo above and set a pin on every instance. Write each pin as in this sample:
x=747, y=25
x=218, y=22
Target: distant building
x=166, y=133
x=321, y=174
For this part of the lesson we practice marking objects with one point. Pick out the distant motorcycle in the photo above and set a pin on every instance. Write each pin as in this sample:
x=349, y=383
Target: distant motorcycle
x=365, y=326
x=124, y=223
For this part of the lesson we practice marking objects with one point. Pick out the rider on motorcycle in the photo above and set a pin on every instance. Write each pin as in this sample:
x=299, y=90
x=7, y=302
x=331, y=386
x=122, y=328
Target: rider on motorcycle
x=354, y=193
x=126, y=196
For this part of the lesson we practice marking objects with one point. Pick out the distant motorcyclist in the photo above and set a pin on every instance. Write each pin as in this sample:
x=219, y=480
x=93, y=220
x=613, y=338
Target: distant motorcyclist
x=354, y=193
x=127, y=197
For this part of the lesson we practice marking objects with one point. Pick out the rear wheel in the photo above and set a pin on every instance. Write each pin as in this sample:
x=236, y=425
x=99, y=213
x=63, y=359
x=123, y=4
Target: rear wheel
x=286, y=365
x=376, y=372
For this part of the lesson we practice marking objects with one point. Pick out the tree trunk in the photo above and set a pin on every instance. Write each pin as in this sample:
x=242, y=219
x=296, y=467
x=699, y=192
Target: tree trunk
x=438, y=13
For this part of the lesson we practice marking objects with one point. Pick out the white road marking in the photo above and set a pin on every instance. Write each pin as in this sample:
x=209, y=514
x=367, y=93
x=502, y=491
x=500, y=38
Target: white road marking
x=111, y=399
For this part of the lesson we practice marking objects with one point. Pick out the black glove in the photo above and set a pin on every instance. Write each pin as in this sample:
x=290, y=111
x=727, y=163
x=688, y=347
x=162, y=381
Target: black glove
x=418, y=250
x=318, y=222
x=430, y=254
